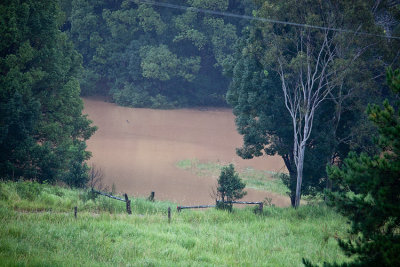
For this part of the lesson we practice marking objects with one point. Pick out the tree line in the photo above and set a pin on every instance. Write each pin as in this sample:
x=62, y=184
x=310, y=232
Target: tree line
x=147, y=56
x=42, y=129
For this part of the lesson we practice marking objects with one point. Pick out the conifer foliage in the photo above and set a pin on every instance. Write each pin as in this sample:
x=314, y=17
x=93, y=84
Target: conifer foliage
x=42, y=129
x=370, y=197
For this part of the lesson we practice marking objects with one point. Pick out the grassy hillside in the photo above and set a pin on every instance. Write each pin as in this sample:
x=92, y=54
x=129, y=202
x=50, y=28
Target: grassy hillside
x=37, y=227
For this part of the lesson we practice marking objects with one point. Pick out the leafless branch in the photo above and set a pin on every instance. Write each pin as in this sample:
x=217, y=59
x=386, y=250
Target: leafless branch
x=96, y=176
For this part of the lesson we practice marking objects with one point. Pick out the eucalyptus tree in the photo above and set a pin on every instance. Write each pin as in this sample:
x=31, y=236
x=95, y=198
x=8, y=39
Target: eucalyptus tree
x=321, y=73
x=309, y=76
x=258, y=104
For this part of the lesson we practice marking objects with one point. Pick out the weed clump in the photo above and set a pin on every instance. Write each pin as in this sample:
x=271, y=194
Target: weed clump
x=28, y=190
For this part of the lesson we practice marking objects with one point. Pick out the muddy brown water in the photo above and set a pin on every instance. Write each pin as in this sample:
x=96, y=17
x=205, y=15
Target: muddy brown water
x=137, y=150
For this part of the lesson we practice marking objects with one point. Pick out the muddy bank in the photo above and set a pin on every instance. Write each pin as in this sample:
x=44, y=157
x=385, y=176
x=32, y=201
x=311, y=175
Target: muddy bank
x=137, y=149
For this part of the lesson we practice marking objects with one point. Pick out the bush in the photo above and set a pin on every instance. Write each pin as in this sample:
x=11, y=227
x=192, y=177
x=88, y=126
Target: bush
x=132, y=96
x=230, y=187
x=161, y=102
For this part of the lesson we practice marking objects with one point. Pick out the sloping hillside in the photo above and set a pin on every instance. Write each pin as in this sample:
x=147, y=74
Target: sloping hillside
x=37, y=227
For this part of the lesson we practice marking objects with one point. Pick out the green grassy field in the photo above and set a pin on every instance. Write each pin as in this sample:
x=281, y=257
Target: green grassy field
x=37, y=228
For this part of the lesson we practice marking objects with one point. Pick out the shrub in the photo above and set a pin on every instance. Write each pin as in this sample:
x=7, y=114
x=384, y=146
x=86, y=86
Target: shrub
x=230, y=187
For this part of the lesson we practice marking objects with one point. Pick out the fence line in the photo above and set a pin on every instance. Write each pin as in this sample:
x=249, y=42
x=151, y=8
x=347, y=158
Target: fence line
x=179, y=208
x=108, y=195
x=242, y=202
x=260, y=205
x=126, y=200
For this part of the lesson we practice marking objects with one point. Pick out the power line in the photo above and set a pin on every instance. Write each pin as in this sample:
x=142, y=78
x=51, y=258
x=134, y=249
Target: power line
x=232, y=15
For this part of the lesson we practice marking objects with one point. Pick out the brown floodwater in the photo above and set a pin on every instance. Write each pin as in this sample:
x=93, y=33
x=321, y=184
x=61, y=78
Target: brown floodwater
x=137, y=150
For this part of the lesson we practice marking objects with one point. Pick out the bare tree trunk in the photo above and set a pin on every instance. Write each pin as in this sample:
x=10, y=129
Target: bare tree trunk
x=299, y=166
x=293, y=201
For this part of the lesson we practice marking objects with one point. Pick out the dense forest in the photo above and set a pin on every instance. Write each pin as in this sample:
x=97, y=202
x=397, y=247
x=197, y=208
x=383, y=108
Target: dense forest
x=42, y=129
x=315, y=82
x=147, y=56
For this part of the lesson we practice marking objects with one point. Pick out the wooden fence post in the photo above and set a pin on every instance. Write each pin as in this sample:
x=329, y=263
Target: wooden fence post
x=152, y=195
x=75, y=211
x=261, y=205
x=169, y=214
x=128, y=204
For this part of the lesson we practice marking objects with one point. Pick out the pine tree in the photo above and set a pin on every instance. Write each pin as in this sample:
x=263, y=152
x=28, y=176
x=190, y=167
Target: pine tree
x=370, y=198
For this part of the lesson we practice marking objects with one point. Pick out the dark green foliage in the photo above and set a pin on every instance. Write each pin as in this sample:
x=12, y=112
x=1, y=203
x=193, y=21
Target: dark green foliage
x=149, y=56
x=42, y=129
x=371, y=184
x=339, y=123
x=77, y=175
x=230, y=187
x=17, y=144
x=262, y=119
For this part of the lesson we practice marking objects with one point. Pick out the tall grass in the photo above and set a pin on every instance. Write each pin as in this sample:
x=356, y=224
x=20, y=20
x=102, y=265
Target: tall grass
x=37, y=227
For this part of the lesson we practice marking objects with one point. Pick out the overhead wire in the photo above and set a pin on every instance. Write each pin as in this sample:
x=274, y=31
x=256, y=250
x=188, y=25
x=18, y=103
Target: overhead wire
x=232, y=15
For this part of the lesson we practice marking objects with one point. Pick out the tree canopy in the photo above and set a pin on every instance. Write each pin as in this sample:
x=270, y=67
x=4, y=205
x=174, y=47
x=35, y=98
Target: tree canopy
x=149, y=56
x=274, y=64
x=370, y=190
x=42, y=129
x=230, y=187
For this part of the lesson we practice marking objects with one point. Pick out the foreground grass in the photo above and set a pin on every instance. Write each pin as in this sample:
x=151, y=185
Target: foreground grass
x=257, y=179
x=40, y=229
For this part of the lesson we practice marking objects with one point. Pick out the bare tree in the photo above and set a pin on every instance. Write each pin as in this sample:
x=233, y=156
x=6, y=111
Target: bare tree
x=96, y=176
x=308, y=79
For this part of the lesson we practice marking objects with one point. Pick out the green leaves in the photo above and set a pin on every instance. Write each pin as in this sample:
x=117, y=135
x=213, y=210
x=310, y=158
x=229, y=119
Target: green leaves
x=150, y=20
x=372, y=200
x=165, y=54
x=220, y=5
x=393, y=79
x=39, y=99
x=158, y=62
x=230, y=186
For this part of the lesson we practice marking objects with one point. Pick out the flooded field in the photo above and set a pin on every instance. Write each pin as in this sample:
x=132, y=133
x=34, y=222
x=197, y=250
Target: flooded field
x=138, y=149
